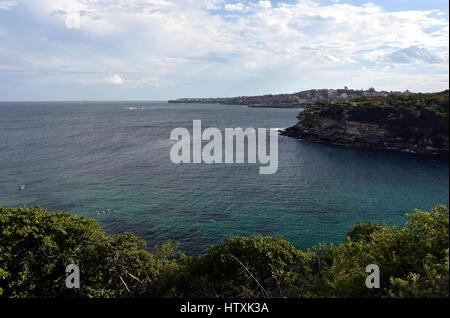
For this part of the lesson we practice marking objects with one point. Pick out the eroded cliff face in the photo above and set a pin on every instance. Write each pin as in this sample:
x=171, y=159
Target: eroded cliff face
x=314, y=127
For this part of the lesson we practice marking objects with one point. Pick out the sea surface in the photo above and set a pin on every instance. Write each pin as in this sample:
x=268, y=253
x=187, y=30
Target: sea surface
x=110, y=161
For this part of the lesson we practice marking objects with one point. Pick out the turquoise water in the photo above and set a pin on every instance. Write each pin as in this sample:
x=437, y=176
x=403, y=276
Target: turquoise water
x=111, y=163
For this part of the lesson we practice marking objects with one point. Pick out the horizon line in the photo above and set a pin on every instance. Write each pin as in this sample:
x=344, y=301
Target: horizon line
x=168, y=99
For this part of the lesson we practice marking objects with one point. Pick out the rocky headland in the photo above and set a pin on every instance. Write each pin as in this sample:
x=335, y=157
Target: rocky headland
x=300, y=99
x=415, y=123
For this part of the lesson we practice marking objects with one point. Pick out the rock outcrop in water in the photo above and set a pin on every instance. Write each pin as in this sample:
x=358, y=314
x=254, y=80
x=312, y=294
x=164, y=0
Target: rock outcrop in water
x=416, y=123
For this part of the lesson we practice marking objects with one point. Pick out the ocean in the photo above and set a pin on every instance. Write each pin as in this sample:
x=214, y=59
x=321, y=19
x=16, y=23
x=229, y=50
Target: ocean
x=111, y=161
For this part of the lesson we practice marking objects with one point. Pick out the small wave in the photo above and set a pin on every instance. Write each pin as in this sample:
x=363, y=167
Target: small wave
x=106, y=211
x=140, y=108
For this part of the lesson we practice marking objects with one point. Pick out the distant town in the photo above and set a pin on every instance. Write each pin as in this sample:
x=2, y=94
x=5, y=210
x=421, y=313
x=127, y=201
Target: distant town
x=296, y=100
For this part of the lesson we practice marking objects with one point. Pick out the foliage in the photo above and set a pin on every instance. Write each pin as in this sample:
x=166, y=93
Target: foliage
x=245, y=267
x=36, y=246
x=418, y=249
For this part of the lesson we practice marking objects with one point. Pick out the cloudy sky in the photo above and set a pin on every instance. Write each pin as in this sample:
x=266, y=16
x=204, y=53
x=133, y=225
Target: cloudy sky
x=161, y=49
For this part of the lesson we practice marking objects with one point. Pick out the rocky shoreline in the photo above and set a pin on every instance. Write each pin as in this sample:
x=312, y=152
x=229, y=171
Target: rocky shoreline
x=294, y=105
x=342, y=127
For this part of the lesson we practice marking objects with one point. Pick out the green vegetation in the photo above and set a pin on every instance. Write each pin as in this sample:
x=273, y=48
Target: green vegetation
x=411, y=115
x=36, y=246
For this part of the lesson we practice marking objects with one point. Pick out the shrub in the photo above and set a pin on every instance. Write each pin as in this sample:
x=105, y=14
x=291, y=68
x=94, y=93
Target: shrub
x=36, y=246
x=413, y=255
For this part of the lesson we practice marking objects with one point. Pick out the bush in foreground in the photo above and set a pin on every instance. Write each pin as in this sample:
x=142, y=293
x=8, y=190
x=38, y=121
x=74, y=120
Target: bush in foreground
x=36, y=246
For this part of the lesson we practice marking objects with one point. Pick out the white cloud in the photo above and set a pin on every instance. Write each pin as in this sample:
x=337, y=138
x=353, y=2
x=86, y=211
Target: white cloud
x=162, y=41
x=234, y=7
x=342, y=29
x=264, y=4
x=213, y=4
x=115, y=79
x=7, y=4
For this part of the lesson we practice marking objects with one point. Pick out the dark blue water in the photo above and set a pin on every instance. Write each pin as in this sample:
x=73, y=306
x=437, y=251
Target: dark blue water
x=111, y=163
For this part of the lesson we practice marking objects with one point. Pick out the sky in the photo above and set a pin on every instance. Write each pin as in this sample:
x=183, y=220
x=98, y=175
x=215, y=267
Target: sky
x=165, y=49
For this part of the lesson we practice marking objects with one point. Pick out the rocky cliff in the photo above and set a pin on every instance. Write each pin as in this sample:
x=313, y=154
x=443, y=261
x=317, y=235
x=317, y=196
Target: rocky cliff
x=416, y=123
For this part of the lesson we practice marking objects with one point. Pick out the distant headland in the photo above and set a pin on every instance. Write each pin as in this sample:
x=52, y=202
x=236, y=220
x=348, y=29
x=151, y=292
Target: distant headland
x=300, y=99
